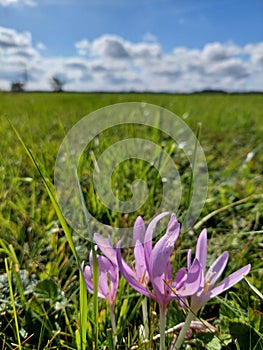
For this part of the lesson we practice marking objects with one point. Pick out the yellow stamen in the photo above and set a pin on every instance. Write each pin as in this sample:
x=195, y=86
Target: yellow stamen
x=168, y=285
x=207, y=286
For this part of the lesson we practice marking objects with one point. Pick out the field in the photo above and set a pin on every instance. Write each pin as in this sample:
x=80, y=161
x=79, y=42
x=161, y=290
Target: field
x=39, y=278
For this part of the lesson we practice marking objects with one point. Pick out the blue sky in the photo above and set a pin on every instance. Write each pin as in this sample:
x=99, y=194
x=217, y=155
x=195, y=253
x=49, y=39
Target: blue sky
x=153, y=42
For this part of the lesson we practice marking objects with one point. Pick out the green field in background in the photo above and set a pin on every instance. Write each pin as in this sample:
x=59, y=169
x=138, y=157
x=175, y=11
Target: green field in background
x=231, y=137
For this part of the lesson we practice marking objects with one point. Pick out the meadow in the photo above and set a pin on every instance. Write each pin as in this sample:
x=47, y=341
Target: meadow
x=39, y=279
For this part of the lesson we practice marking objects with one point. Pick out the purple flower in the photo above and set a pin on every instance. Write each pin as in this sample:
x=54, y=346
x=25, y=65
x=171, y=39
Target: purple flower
x=208, y=289
x=153, y=264
x=108, y=271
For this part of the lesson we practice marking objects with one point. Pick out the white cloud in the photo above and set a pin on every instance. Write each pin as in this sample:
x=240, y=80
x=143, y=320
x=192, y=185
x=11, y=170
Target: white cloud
x=6, y=3
x=150, y=38
x=231, y=68
x=41, y=46
x=9, y=38
x=83, y=47
x=111, y=63
x=219, y=52
x=110, y=46
x=115, y=47
x=255, y=51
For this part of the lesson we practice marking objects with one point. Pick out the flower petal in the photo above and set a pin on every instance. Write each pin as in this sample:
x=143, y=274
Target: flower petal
x=201, y=249
x=192, y=282
x=138, y=230
x=104, y=268
x=106, y=247
x=149, y=235
x=161, y=253
x=140, y=264
x=108, y=278
x=216, y=269
x=180, y=278
x=189, y=258
x=88, y=278
x=131, y=279
x=160, y=289
x=230, y=281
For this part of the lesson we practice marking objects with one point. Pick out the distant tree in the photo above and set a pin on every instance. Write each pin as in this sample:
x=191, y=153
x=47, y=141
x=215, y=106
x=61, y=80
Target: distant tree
x=18, y=86
x=57, y=84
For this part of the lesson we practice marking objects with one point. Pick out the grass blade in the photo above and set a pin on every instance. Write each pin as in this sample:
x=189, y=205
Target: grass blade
x=255, y=290
x=191, y=185
x=8, y=272
x=95, y=296
x=67, y=231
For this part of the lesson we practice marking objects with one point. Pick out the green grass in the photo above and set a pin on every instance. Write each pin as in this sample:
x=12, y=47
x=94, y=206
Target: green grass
x=43, y=302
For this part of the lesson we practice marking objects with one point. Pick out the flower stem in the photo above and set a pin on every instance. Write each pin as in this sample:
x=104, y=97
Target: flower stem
x=162, y=327
x=190, y=317
x=145, y=317
x=113, y=324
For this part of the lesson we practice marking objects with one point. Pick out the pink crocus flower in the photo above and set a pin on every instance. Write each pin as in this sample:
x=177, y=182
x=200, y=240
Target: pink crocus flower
x=208, y=287
x=152, y=264
x=108, y=275
x=108, y=270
